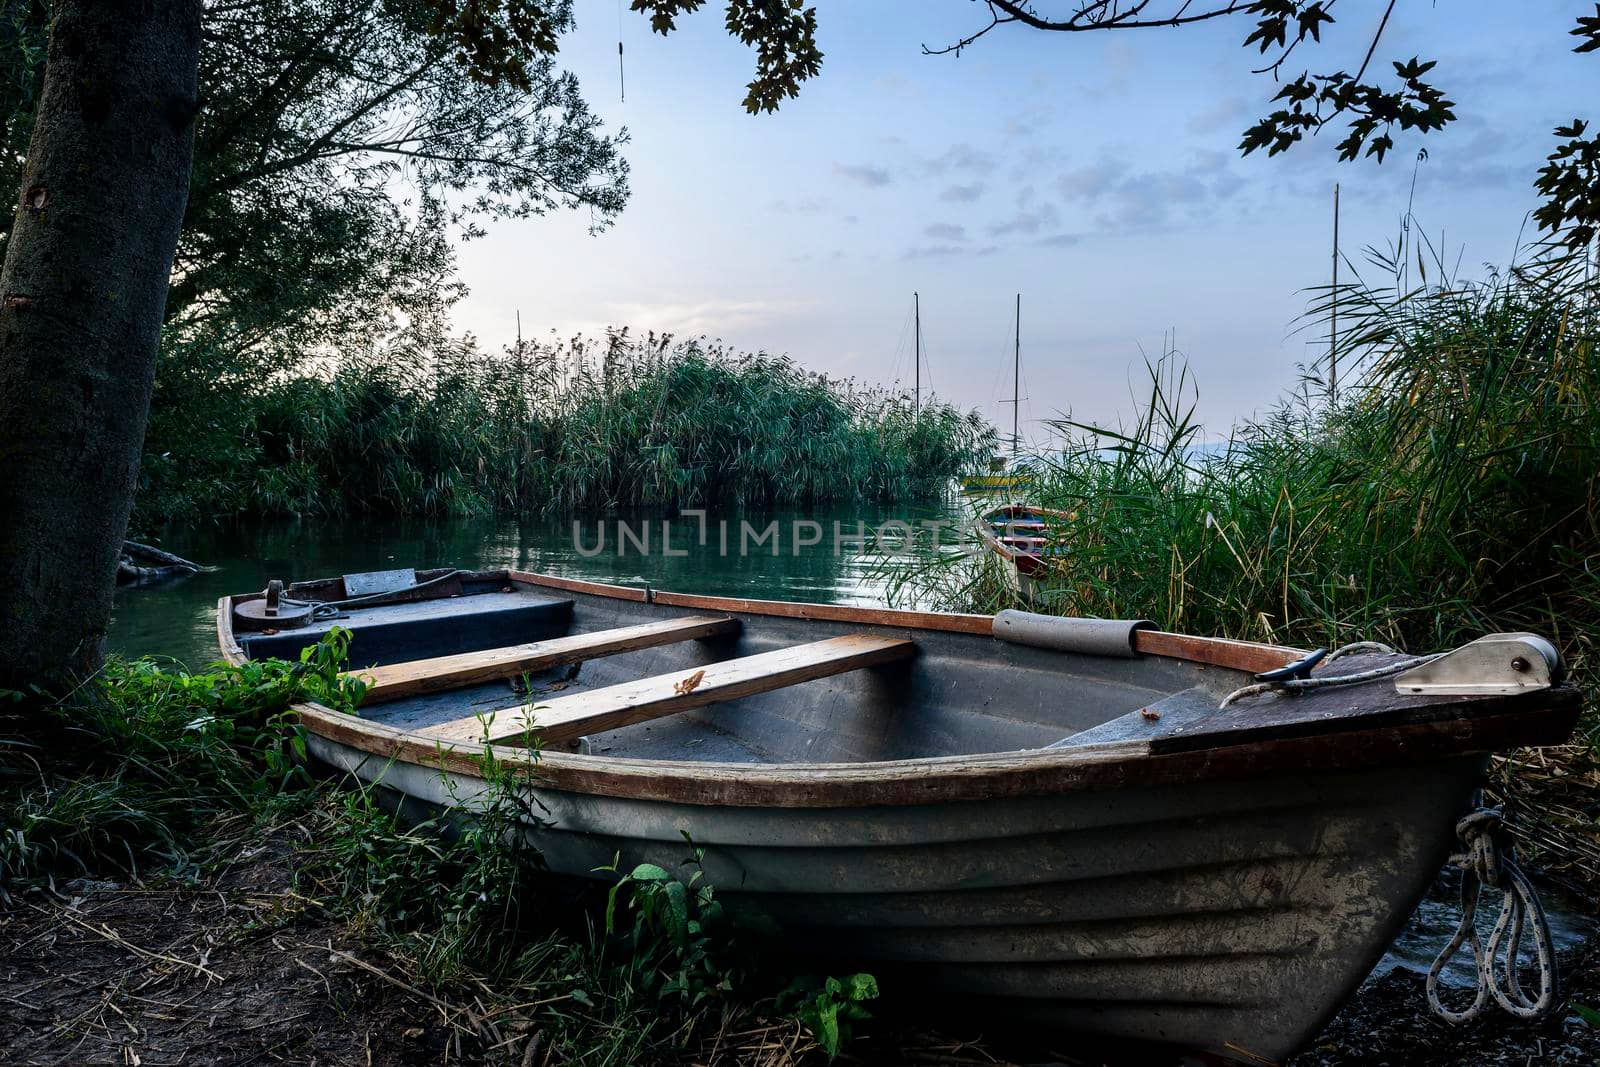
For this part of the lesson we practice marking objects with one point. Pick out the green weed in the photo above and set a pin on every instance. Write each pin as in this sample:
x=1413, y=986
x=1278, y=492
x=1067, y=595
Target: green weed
x=681, y=944
x=829, y=1007
x=148, y=772
x=455, y=892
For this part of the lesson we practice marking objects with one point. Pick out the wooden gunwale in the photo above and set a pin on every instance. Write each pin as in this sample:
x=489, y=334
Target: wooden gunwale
x=946, y=779
x=1213, y=651
x=915, y=620
x=952, y=779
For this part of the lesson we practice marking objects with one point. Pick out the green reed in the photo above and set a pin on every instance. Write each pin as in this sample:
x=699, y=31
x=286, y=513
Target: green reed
x=579, y=424
x=1452, y=488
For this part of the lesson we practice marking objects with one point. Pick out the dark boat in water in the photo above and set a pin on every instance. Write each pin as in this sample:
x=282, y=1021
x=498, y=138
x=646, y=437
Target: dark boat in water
x=1047, y=820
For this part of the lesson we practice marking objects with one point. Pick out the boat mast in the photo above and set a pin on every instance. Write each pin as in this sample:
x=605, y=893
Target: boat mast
x=916, y=304
x=1016, y=381
x=1333, y=333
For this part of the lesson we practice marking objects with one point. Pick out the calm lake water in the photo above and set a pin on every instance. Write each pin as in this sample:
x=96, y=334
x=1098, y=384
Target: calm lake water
x=178, y=620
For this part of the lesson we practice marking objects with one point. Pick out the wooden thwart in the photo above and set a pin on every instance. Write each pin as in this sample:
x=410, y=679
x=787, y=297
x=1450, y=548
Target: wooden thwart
x=471, y=668
x=562, y=719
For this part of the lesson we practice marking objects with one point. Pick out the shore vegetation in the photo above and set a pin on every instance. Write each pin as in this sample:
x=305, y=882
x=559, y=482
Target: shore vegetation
x=430, y=425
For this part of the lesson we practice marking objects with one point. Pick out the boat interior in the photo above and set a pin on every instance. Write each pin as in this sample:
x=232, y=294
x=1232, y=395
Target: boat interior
x=500, y=657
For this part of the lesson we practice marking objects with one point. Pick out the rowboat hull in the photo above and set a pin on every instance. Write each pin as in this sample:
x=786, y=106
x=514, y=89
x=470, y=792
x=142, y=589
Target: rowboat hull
x=1229, y=917
x=1107, y=871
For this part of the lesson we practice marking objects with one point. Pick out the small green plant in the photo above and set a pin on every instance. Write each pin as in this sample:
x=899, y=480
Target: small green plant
x=829, y=1007
x=681, y=941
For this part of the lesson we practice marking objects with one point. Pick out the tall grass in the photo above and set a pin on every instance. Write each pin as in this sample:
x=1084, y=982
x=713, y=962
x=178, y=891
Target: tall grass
x=1450, y=490
x=444, y=428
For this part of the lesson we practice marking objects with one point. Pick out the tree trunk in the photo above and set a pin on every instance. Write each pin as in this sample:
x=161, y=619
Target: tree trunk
x=81, y=298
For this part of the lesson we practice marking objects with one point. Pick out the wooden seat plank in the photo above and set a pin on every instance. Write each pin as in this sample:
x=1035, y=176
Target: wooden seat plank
x=416, y=677
x=563, y=719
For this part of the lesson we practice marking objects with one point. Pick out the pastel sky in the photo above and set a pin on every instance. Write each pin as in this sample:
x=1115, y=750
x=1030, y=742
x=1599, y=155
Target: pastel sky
x=1094, y=173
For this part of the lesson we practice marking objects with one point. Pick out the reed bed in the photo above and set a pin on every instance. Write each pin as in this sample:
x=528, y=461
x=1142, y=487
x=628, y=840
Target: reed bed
x=445, y=428
x=1453, y=488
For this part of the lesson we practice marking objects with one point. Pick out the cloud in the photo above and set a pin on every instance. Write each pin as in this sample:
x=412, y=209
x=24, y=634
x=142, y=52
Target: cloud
x=711, y=317
x=1228, y=112
x=946, y=231
x=865, y=173
x=1118, y=197
x=1061, y=240
x=962, y=194
x=1029, y=221
x=939, y=251
x=1091, y=182
x=962, y=158
x=811, y=205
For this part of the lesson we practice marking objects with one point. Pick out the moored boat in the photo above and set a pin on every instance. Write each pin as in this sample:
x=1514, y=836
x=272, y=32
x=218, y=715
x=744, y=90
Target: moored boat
x=1019, y=537
x=996, y=481
x=1045, y=820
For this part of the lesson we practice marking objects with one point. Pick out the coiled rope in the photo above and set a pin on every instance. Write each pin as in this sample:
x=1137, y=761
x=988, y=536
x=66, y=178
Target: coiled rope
x=1327, y=681
x=1489, y=860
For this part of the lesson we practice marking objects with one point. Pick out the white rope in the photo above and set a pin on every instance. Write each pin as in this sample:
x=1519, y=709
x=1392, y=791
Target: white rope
x=1327, y=681
x=1483, y=863
x=1361, y=646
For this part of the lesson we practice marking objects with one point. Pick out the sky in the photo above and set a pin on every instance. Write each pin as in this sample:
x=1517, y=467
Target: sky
x=1095, y=174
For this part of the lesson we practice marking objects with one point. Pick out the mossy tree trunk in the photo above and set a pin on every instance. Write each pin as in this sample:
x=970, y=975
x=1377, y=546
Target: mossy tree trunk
x=81, y=299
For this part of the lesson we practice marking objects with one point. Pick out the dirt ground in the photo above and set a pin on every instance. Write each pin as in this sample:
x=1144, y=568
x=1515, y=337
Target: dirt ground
x=243, y=970
x=240, y=971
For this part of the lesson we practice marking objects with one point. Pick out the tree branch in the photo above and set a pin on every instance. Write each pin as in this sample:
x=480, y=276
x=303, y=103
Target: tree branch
x=1093, y=15
x=1106, y=15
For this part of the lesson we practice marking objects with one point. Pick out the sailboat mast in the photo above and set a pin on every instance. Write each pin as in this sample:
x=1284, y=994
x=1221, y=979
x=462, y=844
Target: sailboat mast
x=1016, y=382
x=916, y=303
x=1333, y=333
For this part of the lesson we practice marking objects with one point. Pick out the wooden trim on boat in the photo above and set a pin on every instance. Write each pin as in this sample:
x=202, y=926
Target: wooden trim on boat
x=915, y=620
x=998, y=547
x=579, y=585
x=398, y=680
x=949, y=779
x=562, y=719
x=232, y=651
x=1215, y=651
